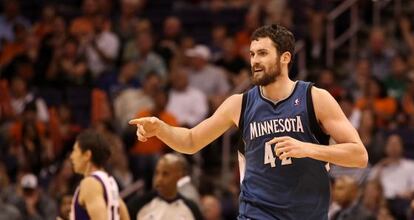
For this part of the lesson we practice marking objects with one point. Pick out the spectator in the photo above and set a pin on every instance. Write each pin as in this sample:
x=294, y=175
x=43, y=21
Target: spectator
x=395, y=175
x=44, y=25
x=230, y=59
x=22, y=96
x=359, y=78
x=218, y=35
x=29, y=141
x=396, y=82
x=69, y=67
x=371, y=135
x=101, y=48
x=113, y=83
x=188, y=104
x=328, y=81
x=32, y=203
x=251, y=23
x=124, y=25
x=65, y=202
x=376, y=98
x=373, y=198
x=379, y=53
x=63, y=129
x=10, y=17
x=131, y=101
x=315, y=41
x=141, y=52
x=170, y=39
x=210, y=79
x=345, y=194
x=211, y=207
x=12, y=49
x=83, y=25
x=51, y=47
x=347, y=104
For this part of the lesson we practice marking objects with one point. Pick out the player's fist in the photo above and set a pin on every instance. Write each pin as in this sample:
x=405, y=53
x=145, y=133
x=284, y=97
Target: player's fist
x=146, y=127
x=287, y=147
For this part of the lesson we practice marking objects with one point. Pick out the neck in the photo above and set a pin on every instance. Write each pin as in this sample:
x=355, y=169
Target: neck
x=280, y=89
x=170, y=196
x=395, y=159
x=90, y=168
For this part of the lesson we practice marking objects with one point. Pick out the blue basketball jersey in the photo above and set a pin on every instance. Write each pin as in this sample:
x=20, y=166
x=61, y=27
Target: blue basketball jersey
x=111, y=196
x=271, y=188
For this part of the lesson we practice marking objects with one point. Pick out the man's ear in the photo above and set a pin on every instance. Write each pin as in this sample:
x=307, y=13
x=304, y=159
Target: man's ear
x=88, y=155
x=286, y=58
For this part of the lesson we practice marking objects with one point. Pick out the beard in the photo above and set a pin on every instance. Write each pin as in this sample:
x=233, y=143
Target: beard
x=267, y=76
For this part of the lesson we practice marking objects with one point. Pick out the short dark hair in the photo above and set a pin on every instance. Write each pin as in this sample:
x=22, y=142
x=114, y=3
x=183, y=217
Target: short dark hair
x=97, y=144
x=282, y=38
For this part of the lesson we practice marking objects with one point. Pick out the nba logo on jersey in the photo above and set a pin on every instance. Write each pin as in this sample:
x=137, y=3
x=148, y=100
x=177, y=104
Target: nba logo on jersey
x=296, y=102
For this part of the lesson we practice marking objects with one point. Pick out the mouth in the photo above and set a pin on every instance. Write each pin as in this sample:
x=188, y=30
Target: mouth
x=258, y=70
x=158, y=188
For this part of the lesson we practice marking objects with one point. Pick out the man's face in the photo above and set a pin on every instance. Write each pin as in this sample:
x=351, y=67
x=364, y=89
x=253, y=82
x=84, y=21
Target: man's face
x=65, y=206
x=165, y=179
x=79, y=159
x=343, y=191
x=394, y=147
x=264, y=61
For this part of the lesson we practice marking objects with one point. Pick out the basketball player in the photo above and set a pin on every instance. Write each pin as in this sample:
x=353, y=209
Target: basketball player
x=97, y=196
x=285, y=127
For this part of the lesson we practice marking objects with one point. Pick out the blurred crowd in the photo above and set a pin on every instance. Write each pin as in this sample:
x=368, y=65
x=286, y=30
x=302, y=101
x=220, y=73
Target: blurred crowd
x=75, y=64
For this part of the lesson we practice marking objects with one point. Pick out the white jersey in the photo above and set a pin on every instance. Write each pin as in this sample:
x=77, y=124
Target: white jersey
x=111, y=195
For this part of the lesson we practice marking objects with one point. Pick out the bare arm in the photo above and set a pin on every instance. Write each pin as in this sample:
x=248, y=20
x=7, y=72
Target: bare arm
x=91, y=197
x=349, y=150
x=406, y=32
x=190, y=141
x=123, y=211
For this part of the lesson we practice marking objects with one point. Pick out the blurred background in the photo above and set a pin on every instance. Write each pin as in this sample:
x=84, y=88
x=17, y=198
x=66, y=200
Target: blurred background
x=68, y=65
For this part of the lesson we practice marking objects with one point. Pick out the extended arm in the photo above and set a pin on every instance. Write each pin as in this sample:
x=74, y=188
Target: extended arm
x=190, y=141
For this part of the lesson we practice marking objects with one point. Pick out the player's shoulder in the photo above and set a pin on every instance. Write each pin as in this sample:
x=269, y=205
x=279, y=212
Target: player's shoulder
x=231, y=107
x=233, y=102
x=89, y=187
x=90, y=182
x=235, y=98
x=316, y=91
x=324, y=103
x=321, y=96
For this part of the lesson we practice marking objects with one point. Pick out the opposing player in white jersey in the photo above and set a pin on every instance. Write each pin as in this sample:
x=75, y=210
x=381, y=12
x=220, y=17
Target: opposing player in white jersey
x=97, y=196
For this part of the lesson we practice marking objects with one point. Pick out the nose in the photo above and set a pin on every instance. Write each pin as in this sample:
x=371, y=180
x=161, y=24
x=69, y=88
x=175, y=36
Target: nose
x=254, y=60
x=157, y=179
x=71, y=156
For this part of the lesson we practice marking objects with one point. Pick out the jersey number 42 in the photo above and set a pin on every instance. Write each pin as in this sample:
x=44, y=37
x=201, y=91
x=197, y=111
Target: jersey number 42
x=269, y=156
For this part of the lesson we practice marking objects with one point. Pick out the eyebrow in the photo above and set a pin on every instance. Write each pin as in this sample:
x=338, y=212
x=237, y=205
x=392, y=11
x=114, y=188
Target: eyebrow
x=259, y=50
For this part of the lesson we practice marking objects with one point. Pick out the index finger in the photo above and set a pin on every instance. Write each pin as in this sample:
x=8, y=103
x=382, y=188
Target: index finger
x=277, y=139
x=136, y=121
